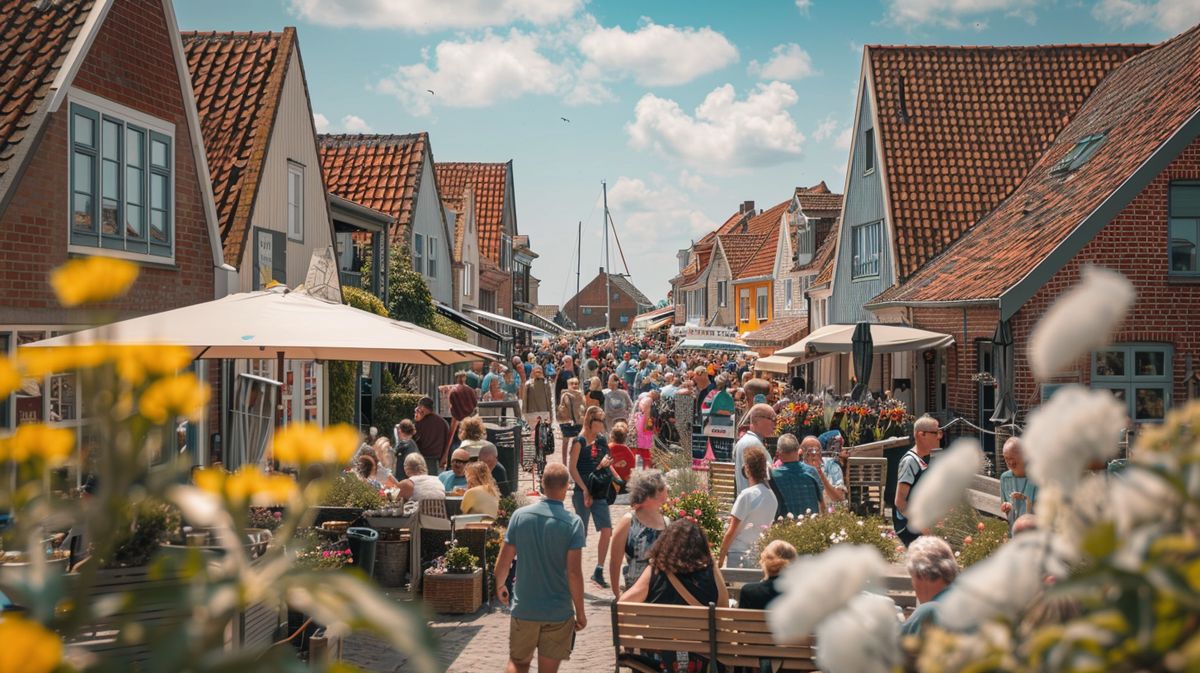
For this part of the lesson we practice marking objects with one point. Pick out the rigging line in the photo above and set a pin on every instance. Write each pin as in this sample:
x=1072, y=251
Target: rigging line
x=567, y=278
x=618, y=239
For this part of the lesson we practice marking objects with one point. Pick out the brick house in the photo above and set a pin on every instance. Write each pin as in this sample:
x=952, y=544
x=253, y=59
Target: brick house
x=103, y=155
x=1119, y=187
x=700, y=292
x=256, y=116
x=627, y=301
x=394, y=174
x=924, y=167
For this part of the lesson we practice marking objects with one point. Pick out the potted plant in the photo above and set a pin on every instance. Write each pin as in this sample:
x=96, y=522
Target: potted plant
x=455, y=582
x=346, y=498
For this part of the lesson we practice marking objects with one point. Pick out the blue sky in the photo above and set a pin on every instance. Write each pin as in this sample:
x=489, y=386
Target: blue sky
x=685, y=107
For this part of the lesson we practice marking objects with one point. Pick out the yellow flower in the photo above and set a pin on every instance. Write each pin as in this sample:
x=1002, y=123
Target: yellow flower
x=305, y=443
x=135, y=363
x=28, y=646
x=56, y=360
x=35, y=440
x=181, y=395
x=248, y=483
x=10, y=378
x=92, y=279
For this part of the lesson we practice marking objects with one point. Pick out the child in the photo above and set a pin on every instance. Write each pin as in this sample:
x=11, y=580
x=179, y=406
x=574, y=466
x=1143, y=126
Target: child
x=622, y=455
x=405, y=430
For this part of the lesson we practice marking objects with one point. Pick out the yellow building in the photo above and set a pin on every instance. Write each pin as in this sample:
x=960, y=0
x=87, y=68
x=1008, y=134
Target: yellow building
x=754, y=303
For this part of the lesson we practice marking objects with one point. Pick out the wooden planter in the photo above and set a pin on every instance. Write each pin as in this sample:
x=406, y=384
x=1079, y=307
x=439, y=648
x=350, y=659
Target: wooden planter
x=454, y=594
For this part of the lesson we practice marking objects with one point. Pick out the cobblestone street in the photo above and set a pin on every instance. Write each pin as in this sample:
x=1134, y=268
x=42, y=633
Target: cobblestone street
x=479, y=643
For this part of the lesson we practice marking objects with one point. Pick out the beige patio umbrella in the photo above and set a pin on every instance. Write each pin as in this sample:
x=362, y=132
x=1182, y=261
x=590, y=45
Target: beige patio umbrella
x=885, y=339
x=279, y=323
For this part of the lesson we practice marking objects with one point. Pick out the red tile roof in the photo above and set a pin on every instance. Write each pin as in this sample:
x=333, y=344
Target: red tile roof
x=490, y=182
x=1141, y=105
x=33, y=45
x=818, y=199
x=824, y=258
x=961, y=126
x=739, y=249
x=761, y=261
x=238, y=81
x=778, y=332
x=379, y=171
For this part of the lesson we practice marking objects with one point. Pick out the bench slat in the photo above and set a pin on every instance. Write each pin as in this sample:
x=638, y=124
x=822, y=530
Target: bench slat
x=752, y=663
x=667, y=622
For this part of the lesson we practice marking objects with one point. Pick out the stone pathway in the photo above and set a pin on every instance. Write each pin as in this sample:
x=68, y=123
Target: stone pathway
x=479, y=643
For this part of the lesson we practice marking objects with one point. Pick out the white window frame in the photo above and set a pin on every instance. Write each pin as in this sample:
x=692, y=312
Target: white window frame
x=722, y=293
x=295, y=208
x=744, y=304
x=869, y=157
x=431, y=261
x=418, y=257
x=128, y=116
x=466, y=279
x=866, y=246
x=762, y=306
x=787, y=293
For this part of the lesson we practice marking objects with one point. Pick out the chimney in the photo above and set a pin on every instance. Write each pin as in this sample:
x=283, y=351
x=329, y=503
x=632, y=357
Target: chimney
x=747, y=207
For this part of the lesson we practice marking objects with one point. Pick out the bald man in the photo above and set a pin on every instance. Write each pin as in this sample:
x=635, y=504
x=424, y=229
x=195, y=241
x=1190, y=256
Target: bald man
x=761, y=419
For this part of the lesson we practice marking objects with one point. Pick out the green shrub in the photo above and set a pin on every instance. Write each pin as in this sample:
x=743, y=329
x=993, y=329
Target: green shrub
x=972, y=536
x=457, y=561
x=151, y=524
x=343, y=374
x=347, y=490
x=391, y=408
x=677, y=468
x=814, y=534
x=448, y=327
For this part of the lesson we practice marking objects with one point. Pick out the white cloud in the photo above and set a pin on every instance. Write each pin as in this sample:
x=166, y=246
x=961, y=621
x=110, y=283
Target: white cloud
x=693, y=183
x=952, y=13
x=477, y=73
x=355, y=124
x=724, y=134
x=1170, y=16
x=804, y=6
x=825, y=129
x=321, y=122
x=788, y=62
x=431, y=15
x=843, y=139
x=657, y=55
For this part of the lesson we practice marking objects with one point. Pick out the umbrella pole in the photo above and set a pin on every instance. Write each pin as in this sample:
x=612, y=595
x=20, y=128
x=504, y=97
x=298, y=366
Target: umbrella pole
x=282, y=384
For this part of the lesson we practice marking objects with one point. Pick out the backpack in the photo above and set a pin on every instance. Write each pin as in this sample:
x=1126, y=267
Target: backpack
x=543, y=439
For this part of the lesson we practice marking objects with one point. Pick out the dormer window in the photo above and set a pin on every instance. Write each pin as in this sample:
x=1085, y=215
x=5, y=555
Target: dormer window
x=1079, y=155
x=805, y=237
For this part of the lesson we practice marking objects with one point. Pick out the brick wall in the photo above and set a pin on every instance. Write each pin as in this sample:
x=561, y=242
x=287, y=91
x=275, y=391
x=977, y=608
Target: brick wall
x=1167, y=310
x=130, y=63
x=961, y=358
x=592, y=295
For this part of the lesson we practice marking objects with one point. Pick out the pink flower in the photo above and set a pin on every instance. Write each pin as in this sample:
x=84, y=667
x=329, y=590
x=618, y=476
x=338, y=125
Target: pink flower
x=697, y=512
x=324, y=554
x=979, y=526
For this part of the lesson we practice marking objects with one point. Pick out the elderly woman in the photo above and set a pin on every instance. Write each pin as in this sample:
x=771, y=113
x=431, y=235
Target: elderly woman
x=617, y=404
x=932, y=567
x=637, y=530
x=773, y=559
x=420, y=485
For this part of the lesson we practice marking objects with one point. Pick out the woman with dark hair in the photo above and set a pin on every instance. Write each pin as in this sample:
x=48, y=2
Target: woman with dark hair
x=680, y=570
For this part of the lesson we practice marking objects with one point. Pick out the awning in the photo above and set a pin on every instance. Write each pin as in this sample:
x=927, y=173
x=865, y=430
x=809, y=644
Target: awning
x=651, y=318
x=458, y=317
x=778, y=332
x=547, y=326
x=504, y=320
x=661, y=324
x=710, y=345
x=776, y=364
x=886, y=339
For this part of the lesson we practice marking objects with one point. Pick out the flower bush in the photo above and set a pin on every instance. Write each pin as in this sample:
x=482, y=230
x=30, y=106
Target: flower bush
x=262, y=517
x=860, y=422
x=972, y=536
x=700, y=507
x=457, y=561
x=138, y=493
x=347, y=490
x=816, y=533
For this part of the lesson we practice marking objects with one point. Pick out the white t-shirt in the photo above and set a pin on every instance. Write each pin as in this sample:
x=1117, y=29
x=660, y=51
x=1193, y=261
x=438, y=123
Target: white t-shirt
x=427, y=487
x=755, y=508
x=739, y=452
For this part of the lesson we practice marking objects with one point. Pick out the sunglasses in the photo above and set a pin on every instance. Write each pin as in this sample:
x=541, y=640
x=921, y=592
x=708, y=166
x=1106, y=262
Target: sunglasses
x=929, y=432
x=457, y=461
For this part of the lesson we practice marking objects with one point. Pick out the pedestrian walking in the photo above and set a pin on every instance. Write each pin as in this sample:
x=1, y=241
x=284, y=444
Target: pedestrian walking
x=547, y=602
x=589, y=453
x=926, y=437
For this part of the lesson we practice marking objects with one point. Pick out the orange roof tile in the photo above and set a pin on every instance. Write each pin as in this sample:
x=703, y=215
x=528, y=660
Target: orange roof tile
x=824, y=258
x=961, y=126
x=778, y=332
x=1140, y=105
x=33, y=45
x=761, y=261
x=490, y=183
x=379, y=171
x=238, y=81
x=818, y=199
x=739, y=249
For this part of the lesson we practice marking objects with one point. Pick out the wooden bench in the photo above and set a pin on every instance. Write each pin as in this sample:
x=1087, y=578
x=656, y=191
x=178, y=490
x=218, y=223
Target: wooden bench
x=896, y=583
x=730, y=636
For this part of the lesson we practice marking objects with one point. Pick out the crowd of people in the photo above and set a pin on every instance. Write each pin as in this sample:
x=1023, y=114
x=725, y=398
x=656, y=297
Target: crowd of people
x=609, y=400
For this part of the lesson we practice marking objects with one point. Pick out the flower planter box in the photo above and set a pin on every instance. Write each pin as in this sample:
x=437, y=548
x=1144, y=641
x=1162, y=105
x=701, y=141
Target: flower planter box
x=458, y=594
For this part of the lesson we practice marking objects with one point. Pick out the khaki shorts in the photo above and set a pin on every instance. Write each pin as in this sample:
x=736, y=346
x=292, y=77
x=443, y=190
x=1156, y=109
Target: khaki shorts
x=553, y=640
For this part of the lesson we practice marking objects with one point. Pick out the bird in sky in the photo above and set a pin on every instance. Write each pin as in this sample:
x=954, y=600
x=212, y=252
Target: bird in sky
x=565, y=119
x=431, y=92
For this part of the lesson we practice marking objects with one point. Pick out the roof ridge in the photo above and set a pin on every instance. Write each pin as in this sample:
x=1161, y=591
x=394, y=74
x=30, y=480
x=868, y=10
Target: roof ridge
x=232, y=34
x=1015, y=47
x=377, y=138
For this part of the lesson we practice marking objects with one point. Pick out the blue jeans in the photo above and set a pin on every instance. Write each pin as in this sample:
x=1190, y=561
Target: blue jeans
x=598, y=511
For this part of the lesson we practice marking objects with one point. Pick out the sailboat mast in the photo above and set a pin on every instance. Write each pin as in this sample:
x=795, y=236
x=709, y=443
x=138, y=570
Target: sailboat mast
x=578, y=264
x=607, y=290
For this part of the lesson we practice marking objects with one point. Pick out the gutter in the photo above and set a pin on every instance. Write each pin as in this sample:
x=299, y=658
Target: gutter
x=954, y=303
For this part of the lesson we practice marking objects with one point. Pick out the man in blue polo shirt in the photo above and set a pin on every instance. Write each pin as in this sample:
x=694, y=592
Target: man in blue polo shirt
x=547, y=541
x=799, y=484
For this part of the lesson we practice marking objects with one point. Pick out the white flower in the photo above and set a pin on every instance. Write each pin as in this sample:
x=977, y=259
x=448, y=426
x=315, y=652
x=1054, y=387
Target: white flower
x=1080, y=321
x=815, y=586
x=1004, y=583
x=945, y=484
x=1075, y=428
x=863, y=637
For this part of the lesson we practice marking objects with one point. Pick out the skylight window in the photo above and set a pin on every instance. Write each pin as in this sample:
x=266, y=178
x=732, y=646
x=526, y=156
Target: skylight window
x=1079, y=155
